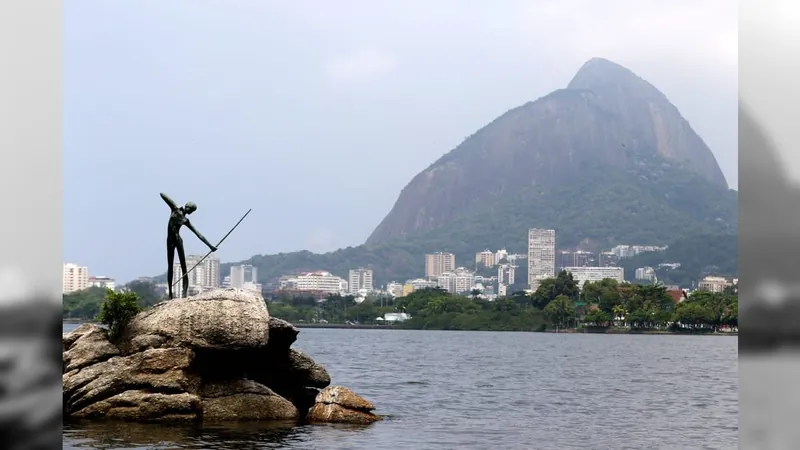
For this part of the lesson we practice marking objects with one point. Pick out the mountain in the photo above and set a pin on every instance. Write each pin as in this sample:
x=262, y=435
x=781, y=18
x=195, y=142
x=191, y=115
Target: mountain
x=607, y=120
x=605, y=161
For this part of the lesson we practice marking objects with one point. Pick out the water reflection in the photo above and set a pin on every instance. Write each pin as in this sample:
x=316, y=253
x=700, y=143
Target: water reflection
x=108, y=435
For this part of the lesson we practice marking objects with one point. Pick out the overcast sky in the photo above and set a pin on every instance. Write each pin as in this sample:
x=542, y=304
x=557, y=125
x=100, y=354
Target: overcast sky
x=770, y=56
x=316, y=113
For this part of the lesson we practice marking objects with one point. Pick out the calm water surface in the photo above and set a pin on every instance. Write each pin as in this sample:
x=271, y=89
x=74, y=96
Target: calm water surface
x=484, y=390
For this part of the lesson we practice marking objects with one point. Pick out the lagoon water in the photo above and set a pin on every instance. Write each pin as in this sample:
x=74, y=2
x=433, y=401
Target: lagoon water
x=485, y=390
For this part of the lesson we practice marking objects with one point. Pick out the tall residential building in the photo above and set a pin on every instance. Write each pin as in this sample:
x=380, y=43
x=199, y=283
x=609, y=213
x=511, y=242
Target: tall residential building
x=581, y=275
x=74, y=278
x=541, y=256
x=486, y=258
x=583, y=259
x=439, y=263
x=241, y=274
x=203, y=277
x=505, y=273
x=645, y=273
x=359, y=279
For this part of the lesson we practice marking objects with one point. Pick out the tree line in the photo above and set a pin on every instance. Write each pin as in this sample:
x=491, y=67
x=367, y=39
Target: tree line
x=557, y=303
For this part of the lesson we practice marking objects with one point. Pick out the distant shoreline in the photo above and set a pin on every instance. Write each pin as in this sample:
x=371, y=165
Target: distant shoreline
x=569, y=331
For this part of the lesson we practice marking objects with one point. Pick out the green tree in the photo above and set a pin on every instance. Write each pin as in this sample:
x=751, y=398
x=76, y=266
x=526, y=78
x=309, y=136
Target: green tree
x=598, y=318
x=693, y=315
x=84, y=304
x=561, y=311
x=620, y=313
x=714, y=304
x=566, y=285
x=146, y=291
x=731, y=317
x=522, y=299
x=550, y=288
x=118, y=309
x=475, y=293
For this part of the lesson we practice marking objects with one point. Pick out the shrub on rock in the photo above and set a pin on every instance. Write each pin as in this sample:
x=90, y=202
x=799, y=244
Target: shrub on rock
x=118, y=310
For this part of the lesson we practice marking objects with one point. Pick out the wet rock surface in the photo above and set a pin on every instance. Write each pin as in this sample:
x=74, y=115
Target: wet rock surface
x=217, y=356
x=338, y=404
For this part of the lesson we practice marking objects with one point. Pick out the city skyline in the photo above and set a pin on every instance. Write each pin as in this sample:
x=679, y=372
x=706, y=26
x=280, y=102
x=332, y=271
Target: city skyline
x=440, y=270
x=436, y=264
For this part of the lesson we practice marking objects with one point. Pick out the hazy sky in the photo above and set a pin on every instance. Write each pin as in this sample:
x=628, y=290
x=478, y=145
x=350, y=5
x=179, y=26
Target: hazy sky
x=316, y=113
x=770, y=46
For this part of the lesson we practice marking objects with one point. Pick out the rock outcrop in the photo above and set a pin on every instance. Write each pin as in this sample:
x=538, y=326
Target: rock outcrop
x=219, y=319
x=337, y=404
x=217, y=356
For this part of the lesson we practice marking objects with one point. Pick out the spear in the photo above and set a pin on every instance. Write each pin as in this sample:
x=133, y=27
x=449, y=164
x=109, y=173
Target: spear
x=209, y=253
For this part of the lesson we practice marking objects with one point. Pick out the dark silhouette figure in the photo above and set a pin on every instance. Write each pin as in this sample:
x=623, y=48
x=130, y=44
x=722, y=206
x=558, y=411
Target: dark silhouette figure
x=178, y=218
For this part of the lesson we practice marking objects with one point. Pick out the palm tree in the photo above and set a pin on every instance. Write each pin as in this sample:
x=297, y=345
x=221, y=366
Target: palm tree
x=619, y=313
x=475, y=293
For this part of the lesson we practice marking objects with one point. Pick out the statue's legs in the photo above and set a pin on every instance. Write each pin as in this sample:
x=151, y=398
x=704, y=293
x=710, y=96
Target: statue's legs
x=182, y=260
x=170, y=262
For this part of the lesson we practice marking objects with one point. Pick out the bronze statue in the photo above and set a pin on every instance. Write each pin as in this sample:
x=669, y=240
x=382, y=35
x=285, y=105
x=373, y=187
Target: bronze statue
x=177, y=219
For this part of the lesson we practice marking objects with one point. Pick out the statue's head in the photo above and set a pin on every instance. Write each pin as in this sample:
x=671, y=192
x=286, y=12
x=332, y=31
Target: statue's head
x=189, y=208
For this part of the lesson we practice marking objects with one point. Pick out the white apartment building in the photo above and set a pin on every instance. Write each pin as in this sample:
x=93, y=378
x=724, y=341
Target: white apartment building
x=505, y=273
x=628, y=251
x=500, y=255
x=541, y=256
x=74, y=278
x=395, y=288
x=360, y=280
x=513, y=257
x=250, y=286
x=713, y=284
x=316, y=281
x=646, y=273
x=417, y=284
x=594, y=274
x=102, y=282
x=202, y=278
x=502, y=290
x=486, y=258
x=439, y=263
x=458, y=281
x=243, y=273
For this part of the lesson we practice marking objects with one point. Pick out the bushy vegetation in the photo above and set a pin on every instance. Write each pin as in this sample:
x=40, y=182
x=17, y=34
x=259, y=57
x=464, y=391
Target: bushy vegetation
x=652, y=307
x=117, y=310
x=86, y=304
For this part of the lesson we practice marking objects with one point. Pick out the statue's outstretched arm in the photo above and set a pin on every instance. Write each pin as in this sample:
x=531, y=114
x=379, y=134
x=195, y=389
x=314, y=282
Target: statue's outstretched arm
x=169, y=201
x=200, y=236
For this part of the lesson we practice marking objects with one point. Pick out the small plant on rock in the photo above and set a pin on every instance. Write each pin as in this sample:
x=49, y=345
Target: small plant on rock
x=118, y=309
